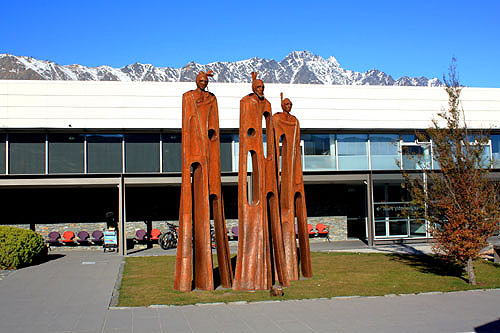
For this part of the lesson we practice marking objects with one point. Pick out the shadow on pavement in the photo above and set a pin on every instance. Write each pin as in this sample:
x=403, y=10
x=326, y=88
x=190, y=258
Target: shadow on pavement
x=430, y=264
x=493, y=326
x=137, y=250
x=400, y=248
x=47, y=258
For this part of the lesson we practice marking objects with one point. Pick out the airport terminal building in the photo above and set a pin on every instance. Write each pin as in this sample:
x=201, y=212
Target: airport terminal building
x=70, y=151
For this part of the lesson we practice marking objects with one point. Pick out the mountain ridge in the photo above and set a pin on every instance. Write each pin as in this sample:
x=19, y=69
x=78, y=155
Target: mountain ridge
x=301, y=67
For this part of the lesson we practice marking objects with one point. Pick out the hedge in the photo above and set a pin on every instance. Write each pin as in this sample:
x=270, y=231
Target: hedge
x=20, y=247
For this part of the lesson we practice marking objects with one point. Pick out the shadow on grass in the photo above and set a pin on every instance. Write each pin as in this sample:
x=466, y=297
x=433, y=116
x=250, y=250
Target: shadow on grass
x=216, y=272
x=430, y=264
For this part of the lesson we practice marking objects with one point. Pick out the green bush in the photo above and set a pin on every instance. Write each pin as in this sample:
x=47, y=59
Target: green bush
x=20, y=247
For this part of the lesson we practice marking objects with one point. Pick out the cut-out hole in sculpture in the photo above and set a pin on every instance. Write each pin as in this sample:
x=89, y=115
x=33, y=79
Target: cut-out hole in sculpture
x=197, y=205
x=214, y=213
x=253, y=184
x=212, y=134
x=283, y=172
x=265, y=120
x=283, y=147
x=272, y=215
x=251, y=132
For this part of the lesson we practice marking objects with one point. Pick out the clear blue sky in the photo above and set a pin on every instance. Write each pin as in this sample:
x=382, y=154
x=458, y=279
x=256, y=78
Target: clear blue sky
x=398, y=37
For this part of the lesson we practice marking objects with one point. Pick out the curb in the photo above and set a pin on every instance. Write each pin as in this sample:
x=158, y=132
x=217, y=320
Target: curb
x=116, y=289
x=335, y=298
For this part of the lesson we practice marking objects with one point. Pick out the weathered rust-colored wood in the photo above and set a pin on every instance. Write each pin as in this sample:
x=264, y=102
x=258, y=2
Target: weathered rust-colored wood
x=201, y=187
x=291, y=188
x=258, y=207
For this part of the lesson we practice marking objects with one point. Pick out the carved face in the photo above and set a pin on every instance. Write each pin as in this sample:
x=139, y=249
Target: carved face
x=258, y=88
x=287, y=105
x=202, y=82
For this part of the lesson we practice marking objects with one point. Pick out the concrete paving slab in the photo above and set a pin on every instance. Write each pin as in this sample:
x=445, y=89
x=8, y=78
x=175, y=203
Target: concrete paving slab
x=172, y=320
x=258, y=322
x=142, y=312
x=294, y=326
x=71, y=293
x=118, y=319
x=117, y=330
x=144, y=324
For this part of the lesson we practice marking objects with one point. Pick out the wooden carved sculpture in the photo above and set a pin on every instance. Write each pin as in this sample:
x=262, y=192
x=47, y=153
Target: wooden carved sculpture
x=291, y=189
x=258, y=207
x=201, y=189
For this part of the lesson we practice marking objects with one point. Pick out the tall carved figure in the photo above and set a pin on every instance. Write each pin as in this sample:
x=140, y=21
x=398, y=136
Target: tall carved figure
x=291, y=189
x=201, y=189
x=258, y=207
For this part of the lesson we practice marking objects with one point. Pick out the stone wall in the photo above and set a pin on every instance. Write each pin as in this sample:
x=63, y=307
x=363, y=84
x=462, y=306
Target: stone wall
x=130, y=227
x=337, y=226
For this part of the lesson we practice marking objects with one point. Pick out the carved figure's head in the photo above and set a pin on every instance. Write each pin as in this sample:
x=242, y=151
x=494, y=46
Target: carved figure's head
x=257, y=85
x=286, y=104
x=202, y=79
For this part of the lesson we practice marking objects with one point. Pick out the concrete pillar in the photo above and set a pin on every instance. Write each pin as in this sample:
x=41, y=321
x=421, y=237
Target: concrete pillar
x=369, y=202
x=149, y=228
x=122, y=237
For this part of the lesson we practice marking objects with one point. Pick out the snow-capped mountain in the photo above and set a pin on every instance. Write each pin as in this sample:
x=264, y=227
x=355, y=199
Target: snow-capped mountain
x=297, y=67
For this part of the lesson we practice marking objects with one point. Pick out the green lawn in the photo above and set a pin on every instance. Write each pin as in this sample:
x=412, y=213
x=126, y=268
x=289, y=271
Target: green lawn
x=149, y=280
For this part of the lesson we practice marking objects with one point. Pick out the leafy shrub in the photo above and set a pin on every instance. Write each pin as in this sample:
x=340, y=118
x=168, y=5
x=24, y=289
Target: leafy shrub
x=20, y=247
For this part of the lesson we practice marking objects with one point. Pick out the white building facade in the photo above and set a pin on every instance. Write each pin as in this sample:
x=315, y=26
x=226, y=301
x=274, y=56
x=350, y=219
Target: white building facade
x=73, y=150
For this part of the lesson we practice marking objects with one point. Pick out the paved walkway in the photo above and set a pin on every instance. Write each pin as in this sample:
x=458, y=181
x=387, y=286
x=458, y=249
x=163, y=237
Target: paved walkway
x=316, y=246
x=72, y=293
x=69, y=293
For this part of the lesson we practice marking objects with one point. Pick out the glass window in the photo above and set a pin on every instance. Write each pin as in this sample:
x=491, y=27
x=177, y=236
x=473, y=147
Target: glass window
x=486, y=156
x=416, y=156
x=417, y=228
x=380, y=228
x=142, y=153
x=435, y=162
x=398, y=227
x=236, y=139
x=495, y=150
x=319, y=151
x=487, y=153
x=171, y=151
x=27, y=153
x=104, y=153
x=2, y=153
x=236, y=152
x=264, y=143
x=391, y=212
x=384, y=151
x=226, y=152
x=409, y=138
x=66, y=153
x=352, y=151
